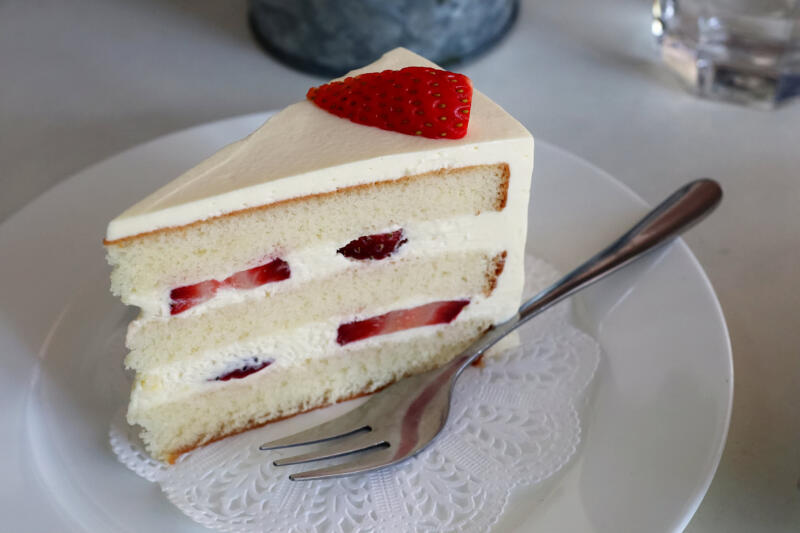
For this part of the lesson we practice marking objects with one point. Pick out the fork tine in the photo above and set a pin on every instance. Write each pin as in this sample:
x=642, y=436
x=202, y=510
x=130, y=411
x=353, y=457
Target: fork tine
x=344, y=446
x=369, y=460
x=341, y=426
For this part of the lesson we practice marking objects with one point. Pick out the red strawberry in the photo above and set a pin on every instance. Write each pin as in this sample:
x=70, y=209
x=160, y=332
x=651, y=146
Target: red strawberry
x=424, y=315
x=182, y=298
x=276, y=270
x=415, y=100
x=378, y=246
x=244, y=371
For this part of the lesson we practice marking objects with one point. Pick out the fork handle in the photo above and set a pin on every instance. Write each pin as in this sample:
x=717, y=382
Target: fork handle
x=680, y=211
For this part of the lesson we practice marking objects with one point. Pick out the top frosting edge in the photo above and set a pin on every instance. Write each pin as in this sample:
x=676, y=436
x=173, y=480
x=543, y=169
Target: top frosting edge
x=303, y=149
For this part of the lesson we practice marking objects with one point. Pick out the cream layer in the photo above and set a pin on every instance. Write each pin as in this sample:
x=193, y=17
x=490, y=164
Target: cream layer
x=287, y=350
x=317, y=340
x=489, y=232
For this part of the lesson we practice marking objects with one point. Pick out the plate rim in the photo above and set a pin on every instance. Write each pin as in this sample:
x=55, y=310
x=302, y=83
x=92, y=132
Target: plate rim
x=702, y=490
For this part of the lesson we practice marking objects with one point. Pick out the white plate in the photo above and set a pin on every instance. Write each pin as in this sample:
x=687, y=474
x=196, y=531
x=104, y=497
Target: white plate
x=654, y=426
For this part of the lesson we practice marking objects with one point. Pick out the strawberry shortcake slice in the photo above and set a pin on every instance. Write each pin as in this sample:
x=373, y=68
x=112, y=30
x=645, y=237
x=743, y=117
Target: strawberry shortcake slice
x=366, y=233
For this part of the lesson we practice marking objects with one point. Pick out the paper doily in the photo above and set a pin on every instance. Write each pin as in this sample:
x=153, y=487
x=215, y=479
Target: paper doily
x=513, y=422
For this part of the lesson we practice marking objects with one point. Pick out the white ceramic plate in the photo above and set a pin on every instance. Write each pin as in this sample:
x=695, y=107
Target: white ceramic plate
x=655, y=423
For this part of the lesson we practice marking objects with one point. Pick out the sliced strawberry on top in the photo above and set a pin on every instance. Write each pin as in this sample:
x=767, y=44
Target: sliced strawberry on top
x=182, y=298
x=415, y=100
x=424, y=315
x=276, y=270
x=378, y=246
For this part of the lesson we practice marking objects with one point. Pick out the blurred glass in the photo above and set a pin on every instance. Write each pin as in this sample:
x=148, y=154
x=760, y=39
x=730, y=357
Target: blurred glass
x=745, y=51
x=331, y=37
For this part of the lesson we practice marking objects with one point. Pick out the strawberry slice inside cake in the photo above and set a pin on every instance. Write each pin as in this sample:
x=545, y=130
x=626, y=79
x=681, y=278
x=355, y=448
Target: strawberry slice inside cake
x=367, y=233
x=186, y=297
x=423, y=315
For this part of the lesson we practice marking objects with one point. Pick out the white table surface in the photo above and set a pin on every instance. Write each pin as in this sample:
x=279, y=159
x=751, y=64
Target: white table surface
x=85, y=79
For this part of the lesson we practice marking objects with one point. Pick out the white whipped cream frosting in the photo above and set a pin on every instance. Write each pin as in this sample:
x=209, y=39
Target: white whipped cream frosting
x=304, y=150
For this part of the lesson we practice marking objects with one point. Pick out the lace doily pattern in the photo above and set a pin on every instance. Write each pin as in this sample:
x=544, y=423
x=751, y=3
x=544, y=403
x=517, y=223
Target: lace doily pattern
x=513, y=422
x=129, y=449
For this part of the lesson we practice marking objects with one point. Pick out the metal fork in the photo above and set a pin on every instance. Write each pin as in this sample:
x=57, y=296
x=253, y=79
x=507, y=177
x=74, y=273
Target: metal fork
x=402, y=419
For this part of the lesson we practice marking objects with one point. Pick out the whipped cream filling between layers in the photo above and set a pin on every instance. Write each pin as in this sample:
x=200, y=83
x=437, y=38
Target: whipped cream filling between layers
x=286, y=349
x=317, y=340
x=488, y=231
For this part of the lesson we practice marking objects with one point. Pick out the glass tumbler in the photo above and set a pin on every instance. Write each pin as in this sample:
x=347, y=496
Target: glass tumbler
x=745, y=51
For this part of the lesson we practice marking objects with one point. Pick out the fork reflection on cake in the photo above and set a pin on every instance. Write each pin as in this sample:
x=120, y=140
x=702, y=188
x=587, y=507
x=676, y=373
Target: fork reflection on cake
x=403, y=419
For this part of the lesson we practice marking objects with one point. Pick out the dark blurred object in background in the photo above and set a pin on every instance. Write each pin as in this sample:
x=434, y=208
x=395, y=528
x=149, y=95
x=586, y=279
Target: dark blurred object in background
x=331, y=37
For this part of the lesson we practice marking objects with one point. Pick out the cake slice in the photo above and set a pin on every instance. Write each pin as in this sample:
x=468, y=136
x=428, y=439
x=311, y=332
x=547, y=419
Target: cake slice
x=320, y=259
